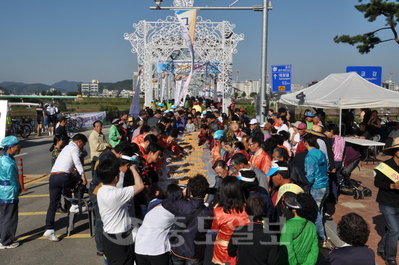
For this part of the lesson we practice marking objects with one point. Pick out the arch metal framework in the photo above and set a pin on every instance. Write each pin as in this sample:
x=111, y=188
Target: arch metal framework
x=154, y=42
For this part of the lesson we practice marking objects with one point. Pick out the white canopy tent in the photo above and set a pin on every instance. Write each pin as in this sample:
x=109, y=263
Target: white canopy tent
x=343, y=91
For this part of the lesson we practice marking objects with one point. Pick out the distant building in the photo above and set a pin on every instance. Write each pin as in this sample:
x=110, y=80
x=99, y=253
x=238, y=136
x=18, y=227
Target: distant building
x=296, y=87
x=313, y=83
x=247, y=86
x=90, y=90
x=389, y=84
x=126, y=94
x=107, y=93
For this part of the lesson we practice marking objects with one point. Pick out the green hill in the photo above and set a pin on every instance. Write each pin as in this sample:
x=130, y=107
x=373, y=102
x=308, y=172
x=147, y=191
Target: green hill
x=120, y=85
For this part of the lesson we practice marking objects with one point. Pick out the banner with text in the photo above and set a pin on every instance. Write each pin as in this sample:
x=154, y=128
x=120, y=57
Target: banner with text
x=89, y=117
x=184, y=67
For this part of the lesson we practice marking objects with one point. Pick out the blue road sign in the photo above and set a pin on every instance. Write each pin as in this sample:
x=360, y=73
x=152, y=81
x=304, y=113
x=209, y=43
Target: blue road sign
x=372, y=74
x=281, y=78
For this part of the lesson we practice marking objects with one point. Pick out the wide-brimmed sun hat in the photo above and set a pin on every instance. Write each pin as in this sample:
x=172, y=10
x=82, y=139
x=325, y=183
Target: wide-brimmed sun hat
x=296, y=124
x=116, y=120
x=391, y=150
x=316, y=130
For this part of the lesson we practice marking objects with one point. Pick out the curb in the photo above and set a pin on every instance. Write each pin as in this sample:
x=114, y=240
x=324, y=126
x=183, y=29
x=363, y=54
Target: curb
x=331, y=231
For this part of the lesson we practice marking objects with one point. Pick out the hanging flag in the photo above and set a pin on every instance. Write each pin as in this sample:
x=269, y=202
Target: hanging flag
x=163, y=85
x=187, y=19
x=179, y=82
x=135, y=106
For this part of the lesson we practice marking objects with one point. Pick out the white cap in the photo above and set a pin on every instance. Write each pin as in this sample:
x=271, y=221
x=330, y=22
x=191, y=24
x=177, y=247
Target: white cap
x=253, y=121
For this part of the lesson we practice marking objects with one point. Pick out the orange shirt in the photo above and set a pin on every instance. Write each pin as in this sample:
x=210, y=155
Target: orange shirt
x=138, y=139
x=163, y=141
x=261, y=160
x=216, y=155
x=141, y=149
x=224, y=224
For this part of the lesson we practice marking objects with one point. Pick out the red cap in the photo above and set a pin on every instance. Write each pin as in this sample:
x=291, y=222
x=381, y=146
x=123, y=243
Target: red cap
x=302, y=126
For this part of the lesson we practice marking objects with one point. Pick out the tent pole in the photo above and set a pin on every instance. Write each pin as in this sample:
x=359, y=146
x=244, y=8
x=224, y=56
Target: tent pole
x=339, y=120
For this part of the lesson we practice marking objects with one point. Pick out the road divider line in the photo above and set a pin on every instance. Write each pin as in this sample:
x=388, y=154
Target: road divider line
x=34, y=213
x=63, y=236
x=33, y=196
x=39, y=180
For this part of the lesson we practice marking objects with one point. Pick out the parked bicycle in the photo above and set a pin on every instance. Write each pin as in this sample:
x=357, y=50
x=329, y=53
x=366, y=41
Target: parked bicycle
x=74, y=123
x=30, y=122
x=18, y=127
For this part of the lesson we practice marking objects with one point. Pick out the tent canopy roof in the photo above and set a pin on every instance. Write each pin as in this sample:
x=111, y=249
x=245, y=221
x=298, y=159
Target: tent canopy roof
x=343, y=91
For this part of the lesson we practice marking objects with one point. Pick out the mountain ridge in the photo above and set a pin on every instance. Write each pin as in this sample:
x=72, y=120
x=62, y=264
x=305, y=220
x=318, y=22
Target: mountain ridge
x=63, y=86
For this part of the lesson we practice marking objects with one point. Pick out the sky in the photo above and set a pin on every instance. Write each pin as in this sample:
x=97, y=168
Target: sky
x=44, y=41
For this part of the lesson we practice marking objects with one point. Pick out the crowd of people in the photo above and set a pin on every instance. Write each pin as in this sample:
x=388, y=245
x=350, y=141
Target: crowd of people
x=266, y=206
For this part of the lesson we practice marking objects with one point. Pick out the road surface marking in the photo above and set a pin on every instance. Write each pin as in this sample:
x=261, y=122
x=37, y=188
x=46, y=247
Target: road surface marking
x=21, y=154
x=36, y=180
x=63, y=236
x=35, y=213
x=33, y=196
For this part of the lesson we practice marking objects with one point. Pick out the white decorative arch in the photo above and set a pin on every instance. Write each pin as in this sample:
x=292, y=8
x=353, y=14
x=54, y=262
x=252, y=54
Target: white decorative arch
x=214, y=42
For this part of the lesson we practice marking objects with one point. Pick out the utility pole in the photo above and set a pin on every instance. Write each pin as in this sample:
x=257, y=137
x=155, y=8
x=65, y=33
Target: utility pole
x=265, y=9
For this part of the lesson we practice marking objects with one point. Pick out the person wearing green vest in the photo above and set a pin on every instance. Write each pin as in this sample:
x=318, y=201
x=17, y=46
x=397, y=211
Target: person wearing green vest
x=298, y=240
x=169, y=105
x=309, y=120
x=8, y=125
x=114, y=135
x=387, y=181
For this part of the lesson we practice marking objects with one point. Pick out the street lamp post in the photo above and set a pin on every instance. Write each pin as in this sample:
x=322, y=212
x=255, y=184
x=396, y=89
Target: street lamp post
x=264, y=99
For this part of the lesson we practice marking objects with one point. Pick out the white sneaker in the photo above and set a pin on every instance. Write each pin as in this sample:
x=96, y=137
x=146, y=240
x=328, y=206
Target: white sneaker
x=51, y=235
x=75, y=209
x=13, y=245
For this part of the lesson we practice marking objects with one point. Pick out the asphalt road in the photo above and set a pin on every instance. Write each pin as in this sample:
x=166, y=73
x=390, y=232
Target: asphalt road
x=79, y=248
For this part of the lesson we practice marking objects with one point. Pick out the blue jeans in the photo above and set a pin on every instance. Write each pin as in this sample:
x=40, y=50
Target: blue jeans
x=389, y=242
x=334, y=179
x=319, y=195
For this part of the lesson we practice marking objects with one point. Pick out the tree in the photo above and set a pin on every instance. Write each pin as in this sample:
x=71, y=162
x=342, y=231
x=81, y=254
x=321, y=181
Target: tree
x=62, y=106
x=372, y=11
x=72, y=93
x=244, y=94
x=253, y=94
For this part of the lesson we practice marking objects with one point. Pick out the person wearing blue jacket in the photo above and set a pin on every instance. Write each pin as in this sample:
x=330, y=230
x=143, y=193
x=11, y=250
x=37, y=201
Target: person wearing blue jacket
x=9, y=191
x=188, y=248
x=316, y=167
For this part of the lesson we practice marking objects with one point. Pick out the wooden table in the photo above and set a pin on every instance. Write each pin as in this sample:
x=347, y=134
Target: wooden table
x=367, y=143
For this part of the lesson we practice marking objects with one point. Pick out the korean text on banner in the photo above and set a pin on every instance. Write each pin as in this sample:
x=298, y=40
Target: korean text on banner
x=89, y=117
